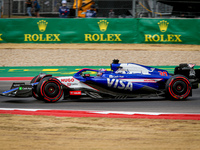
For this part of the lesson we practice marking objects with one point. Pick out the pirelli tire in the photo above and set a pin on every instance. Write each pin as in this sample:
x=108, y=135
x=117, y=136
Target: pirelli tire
x=34, y=90
x=50, y=89
x=178, y=87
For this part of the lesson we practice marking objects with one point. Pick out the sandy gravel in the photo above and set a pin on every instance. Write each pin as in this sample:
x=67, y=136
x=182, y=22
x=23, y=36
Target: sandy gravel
x=96, y=54
x=63, y=133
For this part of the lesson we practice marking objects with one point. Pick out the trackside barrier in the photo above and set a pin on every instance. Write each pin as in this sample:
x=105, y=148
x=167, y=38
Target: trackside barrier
x=98, y=30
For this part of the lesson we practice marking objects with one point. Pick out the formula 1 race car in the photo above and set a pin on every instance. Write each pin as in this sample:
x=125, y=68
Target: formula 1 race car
x=125, y=80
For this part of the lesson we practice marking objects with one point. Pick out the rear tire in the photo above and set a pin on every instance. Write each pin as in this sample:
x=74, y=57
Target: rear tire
x=50, y=89
x=34, y=91
x=178, y=87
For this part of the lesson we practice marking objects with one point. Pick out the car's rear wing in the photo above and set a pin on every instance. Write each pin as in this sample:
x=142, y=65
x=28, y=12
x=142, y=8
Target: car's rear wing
x=187, y=70
x=192, y=74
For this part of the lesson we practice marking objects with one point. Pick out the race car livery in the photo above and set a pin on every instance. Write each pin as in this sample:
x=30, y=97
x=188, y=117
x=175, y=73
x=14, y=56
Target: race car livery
x=124, y=81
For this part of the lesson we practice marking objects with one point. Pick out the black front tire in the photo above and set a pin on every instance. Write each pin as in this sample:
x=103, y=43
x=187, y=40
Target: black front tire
x=178, y=87
x=50, y=89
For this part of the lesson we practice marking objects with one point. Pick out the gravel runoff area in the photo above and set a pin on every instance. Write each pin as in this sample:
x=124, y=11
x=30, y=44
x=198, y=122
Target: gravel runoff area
x=96, y=54
x=64, y=133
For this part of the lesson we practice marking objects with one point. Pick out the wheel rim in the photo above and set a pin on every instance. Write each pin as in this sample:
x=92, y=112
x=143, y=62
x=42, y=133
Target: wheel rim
x=179, y=88
x=51, y=90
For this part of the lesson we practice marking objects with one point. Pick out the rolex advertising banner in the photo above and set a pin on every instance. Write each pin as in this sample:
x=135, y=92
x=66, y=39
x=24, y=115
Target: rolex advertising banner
x=68, y=30
x=169, y=31
x=100, y=30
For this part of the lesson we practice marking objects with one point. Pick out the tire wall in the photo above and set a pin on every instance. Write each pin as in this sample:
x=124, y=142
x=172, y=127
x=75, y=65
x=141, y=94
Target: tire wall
x=98, y=30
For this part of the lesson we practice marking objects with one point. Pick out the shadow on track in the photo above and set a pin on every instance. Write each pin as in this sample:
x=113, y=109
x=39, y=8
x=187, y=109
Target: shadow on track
x=18, y=100
x=32, y=100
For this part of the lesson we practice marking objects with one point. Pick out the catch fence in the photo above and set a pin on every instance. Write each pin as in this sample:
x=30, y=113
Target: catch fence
x=119, y=8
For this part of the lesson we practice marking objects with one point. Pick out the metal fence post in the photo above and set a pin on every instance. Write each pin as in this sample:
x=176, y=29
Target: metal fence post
x=133, y=8
x=154, y=8
x=0, y=8
x=76, y=8
x=9, y=8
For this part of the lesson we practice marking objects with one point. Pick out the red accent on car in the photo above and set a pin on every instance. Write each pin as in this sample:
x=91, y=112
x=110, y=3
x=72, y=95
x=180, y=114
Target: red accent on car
x=75, y=93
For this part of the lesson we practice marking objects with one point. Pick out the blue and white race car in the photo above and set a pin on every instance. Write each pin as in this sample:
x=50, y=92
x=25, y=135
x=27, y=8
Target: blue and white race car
x=125, y=80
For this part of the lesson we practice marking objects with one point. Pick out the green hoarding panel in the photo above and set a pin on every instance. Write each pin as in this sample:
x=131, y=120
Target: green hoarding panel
x=100, y=30
x=68, y=30
x=169, y=31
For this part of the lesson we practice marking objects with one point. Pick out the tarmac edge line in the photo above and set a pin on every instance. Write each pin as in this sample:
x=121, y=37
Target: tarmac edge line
x=99, y=114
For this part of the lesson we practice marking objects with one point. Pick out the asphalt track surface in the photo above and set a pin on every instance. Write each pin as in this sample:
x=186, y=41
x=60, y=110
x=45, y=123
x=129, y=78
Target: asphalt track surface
x=149, y=105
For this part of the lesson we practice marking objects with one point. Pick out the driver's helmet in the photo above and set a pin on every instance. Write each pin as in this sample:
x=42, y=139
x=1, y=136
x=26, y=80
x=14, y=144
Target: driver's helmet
x=87, y=75
x=101, y=71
